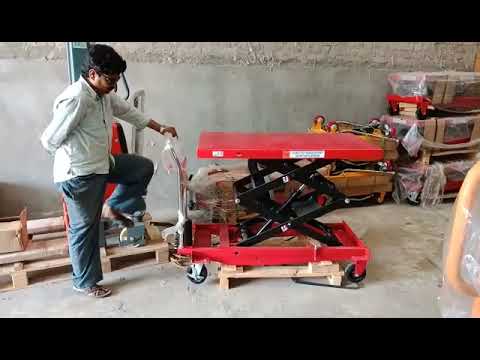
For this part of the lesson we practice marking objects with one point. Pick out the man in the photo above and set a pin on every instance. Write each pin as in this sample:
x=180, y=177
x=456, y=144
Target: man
x=79, y=136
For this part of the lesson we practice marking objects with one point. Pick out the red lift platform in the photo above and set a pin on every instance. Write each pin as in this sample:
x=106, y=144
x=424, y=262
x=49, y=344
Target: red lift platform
x=269, y=153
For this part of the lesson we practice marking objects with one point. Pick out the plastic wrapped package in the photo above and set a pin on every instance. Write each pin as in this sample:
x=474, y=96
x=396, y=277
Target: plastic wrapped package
x=448, y=91
x=460, y=292
x=212, y=187
x=423, y=83
x=438, y=175
x=408, y=83
x=426, y=184
x=457, y=129
x=457, y=170
x=412, y=142
x=401, y=125
x=409, y=182
x=433, y=186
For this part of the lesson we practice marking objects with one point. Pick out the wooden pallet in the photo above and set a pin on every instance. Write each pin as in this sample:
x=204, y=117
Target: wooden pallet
x=452, y=195
x=427, y=155
x=434, y=131
x=45, y=226
x=476, y=66
x=323, y=269
x=22, y=274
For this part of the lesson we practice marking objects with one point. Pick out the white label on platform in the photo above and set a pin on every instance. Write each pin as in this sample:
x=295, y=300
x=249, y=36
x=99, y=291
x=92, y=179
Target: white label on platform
x=307, y=154
x=217, y=153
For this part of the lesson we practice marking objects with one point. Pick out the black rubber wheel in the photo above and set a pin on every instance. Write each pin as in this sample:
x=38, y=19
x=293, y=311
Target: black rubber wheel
x=201, y=278
x=421, y=116
x=350, y=273
x=415, y=202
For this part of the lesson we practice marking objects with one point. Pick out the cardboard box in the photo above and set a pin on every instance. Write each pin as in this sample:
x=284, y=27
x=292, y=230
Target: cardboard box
x=13, y=233
x=220, y=196
x=359, y=182
x=353, y=183
x=389, y=146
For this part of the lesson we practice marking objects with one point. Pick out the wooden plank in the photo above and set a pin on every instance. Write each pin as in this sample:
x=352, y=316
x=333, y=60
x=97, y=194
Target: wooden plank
x=153, y=233
x=47, y=264
x=106, y=265
x=44, y=226
x=322, y=269
x=297, y=241
x=426, y=154
x=282, y=272
x=449, y=196
x=322, y=266
x=412, y=113
x=19, y=279
x=335, y=280
x=430, y=129
x=438, y=92
x=454, y=152
x=476, y=66
x=49, y=236
x=476, y=128
x=366, y=190
x=224, y=283
x=19, y=272
x=24, y=233
x=440, y=133
x=59, y=247
x=37, y=250
x=450, y=91
x=125, y=251
x=407, y=105
x=103, y=252
x=315, y=243
x=232, y=268
x=162, y=256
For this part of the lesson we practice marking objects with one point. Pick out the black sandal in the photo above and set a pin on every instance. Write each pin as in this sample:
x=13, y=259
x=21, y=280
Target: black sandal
x=95, y=291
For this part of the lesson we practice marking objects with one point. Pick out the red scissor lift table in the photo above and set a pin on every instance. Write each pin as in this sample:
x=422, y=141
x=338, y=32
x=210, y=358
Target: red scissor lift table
x=269, y=153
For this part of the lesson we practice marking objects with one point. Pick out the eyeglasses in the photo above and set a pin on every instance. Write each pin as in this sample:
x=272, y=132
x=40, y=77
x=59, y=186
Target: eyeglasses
x=110, y=80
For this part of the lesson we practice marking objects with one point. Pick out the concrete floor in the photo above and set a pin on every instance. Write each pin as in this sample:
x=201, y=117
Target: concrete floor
x=403, y=281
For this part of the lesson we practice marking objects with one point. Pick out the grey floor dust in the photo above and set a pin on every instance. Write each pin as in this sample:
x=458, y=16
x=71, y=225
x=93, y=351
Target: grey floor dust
x=403, y=281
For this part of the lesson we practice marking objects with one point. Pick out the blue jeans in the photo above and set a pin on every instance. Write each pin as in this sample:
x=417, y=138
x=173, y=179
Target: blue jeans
x=84, y=199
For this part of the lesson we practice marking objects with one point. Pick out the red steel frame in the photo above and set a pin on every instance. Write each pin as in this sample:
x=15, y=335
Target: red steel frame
x=467, y=103
x=116, y=148
x=422, y=102
x=278, y=145
x=202, y=250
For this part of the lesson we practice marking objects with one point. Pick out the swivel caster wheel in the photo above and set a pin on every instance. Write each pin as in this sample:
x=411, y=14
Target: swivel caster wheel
x=197, y=273
x=350, y=273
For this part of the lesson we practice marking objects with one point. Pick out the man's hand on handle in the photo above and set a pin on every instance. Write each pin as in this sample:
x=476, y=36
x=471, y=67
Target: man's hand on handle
x=162, y=129
x=169, y=129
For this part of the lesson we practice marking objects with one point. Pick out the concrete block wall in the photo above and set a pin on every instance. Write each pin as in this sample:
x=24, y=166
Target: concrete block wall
x=390, y=55
x=202, y=86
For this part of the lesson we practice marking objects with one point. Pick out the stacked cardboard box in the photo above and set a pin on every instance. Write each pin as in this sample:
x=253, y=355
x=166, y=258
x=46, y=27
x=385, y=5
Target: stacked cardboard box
x=217, y=194
x=429, y=145
x=13, y=233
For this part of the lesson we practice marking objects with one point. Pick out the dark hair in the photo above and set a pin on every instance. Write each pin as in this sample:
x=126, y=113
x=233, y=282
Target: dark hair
x=104, y=60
